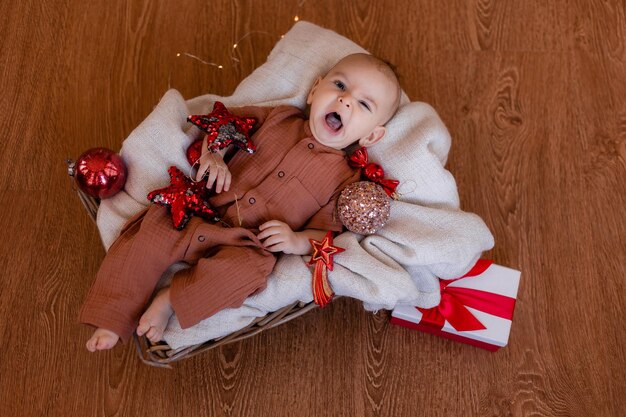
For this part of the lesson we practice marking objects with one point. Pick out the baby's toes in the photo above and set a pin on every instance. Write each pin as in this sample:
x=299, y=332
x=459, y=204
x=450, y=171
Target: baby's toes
x=154, y=334
x=91, y=344
x=143, y=327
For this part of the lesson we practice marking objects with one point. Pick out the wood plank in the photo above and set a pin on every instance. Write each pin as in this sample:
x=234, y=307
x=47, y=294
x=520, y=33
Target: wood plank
x=533, y=95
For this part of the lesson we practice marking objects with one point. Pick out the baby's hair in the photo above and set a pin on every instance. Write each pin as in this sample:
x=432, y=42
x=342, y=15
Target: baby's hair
x=389, y=71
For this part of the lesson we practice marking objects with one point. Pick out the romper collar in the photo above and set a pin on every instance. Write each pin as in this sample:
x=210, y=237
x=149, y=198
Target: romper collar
x=320, y=146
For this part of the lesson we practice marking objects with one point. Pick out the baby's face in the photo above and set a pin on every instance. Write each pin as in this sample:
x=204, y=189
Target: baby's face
x=351, y=103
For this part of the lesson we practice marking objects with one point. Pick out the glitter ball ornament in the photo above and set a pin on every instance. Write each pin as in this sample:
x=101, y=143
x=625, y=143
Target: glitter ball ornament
x=363, y=207
x=99, y=172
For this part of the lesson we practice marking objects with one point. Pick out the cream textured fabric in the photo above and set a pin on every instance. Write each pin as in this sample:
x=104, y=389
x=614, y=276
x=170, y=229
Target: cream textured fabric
x=427, y=236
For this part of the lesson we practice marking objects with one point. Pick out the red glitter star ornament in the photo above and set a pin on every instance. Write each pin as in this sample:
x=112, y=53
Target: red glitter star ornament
x=184, y=198
x=224, y=128
x=322, y=258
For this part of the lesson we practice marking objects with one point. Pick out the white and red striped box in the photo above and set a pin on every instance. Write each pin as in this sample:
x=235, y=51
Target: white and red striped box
x=476, y=309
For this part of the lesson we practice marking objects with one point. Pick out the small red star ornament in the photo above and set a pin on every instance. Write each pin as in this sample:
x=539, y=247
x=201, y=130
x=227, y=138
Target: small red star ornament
x=224, y=128
x=322, y=258
x=184, y=197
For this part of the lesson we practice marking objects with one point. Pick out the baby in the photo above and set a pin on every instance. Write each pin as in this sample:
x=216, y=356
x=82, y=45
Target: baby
x=272, y=201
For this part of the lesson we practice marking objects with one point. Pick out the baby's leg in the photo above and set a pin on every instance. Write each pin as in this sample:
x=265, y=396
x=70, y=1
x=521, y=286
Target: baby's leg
x=236, y=267
x=102, y=339
x=154, y=321
x=131, y=270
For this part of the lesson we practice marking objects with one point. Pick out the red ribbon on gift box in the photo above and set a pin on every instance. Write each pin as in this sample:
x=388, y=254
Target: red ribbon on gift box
x=455, y=300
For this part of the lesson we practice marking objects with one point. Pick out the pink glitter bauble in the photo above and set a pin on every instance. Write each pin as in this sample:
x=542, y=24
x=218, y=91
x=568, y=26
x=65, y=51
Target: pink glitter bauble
x=363, y=207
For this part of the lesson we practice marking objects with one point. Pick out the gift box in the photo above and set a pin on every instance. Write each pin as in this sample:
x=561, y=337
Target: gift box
x=476, y=308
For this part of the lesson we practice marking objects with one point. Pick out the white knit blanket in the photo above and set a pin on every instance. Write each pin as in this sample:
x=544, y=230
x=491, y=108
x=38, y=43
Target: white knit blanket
x=427, y=236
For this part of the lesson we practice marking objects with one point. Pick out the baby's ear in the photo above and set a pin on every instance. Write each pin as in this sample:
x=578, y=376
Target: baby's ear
x=374, y=137
x=309, y=98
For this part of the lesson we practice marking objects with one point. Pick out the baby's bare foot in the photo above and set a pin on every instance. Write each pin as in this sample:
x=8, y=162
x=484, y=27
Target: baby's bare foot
x=102, y=339
x=156, y=317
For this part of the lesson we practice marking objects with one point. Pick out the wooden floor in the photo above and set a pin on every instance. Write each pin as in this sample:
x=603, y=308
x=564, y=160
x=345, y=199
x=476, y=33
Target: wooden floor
x=534, y=95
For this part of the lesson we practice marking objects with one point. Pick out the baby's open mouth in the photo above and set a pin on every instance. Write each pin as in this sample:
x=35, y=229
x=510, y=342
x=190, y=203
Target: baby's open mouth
x=333, y=120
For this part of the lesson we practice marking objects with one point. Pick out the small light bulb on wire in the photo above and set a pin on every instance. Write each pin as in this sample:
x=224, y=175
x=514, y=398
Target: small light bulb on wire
x=296, y=18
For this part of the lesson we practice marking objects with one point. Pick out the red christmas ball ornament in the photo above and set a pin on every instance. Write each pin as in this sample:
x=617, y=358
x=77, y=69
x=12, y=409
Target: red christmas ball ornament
x=194, y=152
x=99, y=172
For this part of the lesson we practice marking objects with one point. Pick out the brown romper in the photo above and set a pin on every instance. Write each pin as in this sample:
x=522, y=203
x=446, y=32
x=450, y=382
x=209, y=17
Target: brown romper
x=291, y=178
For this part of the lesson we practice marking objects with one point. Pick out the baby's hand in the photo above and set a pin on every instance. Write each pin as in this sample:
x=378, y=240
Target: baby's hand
x=214, y=165
x=280, y=238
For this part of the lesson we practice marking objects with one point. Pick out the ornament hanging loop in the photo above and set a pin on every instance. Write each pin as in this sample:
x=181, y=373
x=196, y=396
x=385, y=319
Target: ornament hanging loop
x=71, y=167
x=71, y=172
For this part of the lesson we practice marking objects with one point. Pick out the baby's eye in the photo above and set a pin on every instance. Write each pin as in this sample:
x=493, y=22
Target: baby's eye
x=340, y=85
x=364, y=104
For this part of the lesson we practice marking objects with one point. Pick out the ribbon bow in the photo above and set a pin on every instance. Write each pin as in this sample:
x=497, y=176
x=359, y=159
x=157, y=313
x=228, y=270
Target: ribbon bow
x=455, y=300
x=373, y=172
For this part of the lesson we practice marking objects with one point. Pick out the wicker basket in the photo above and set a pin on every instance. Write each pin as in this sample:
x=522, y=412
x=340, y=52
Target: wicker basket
x=162, y=355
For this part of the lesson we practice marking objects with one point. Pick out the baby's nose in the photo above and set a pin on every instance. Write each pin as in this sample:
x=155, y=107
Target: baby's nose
x=344, y=101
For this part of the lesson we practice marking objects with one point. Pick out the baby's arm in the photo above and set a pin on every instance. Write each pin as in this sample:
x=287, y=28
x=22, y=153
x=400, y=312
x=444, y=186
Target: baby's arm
x=280, y=238
x=214, y=164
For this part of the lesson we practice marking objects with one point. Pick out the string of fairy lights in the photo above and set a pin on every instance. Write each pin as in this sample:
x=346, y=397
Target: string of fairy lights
x=233, y=58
